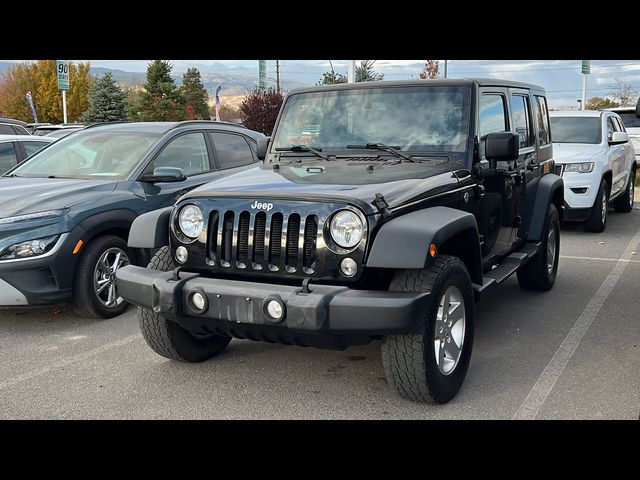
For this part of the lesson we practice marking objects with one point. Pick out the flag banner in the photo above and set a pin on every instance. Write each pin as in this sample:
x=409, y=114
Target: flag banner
x=33, y=109
x=218, y=88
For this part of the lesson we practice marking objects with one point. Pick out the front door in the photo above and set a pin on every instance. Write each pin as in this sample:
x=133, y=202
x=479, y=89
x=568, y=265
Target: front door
x=189, y=152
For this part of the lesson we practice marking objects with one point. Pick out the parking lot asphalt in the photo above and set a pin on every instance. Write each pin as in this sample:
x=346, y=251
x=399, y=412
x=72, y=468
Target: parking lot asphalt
x=571, y=353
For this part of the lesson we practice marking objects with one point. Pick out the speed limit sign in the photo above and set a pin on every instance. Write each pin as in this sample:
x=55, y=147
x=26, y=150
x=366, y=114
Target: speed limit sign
x=62, y=69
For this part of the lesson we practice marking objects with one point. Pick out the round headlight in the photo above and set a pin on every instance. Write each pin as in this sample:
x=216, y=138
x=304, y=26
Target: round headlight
x=191, y=221
x=346, y=229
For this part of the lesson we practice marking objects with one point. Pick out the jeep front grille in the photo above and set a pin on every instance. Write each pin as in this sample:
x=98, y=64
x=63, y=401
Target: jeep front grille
x=263, y=241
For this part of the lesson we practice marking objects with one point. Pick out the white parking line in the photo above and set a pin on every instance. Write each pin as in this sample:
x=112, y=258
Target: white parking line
x=38, y=372
x=626, y=260
x=549, y=376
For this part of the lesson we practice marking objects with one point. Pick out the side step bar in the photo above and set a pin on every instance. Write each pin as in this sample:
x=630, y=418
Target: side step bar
x=507, y=267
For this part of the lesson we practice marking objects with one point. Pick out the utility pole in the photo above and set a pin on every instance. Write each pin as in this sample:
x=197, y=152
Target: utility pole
x=351, y=75
x=586, y=70
x=446, y=62
x=278, y=76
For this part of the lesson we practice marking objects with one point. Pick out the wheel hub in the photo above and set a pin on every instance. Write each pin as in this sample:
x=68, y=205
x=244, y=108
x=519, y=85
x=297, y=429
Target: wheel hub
x=449, y=331
x=104, y=277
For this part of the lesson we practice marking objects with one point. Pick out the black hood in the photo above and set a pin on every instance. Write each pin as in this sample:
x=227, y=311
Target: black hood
x=19, y=196
x=351, y=181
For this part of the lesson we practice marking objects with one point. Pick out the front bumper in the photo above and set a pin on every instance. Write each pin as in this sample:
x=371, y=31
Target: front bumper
x=41, y=280
x=587, y=183
x=324, y=309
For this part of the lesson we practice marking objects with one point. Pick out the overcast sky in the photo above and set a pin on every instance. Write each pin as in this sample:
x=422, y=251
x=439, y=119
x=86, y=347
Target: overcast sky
x=561, y=78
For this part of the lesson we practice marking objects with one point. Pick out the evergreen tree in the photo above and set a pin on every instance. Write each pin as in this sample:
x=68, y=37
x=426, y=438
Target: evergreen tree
x=365, y=73
x=107, y=102
x=161, y=101
x=331, y=78
x=195, y=95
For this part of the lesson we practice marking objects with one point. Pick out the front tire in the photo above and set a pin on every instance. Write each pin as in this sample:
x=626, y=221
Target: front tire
x=169, y=339
x=430, y=365
x=624, y=203
x=95, y=294
x=598, y=219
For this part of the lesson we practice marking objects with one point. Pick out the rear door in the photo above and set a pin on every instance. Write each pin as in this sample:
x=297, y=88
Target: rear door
x=189, y=151
x=233, y=152
x=616, y=156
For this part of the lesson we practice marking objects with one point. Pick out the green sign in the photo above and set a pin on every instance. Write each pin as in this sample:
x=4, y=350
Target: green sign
x=586, y=66
x=62, y=70
x=262, y=73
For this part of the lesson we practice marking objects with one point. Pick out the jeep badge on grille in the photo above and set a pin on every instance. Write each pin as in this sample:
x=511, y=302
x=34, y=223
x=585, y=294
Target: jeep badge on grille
x=262, y=206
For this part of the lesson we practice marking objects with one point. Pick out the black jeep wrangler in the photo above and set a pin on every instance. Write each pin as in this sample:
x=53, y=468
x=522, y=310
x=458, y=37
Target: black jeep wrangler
x=381, y=212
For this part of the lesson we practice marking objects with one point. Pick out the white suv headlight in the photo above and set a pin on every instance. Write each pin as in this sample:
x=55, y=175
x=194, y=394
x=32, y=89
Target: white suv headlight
x=346, y=229
x=191, y=221
x=585, y=167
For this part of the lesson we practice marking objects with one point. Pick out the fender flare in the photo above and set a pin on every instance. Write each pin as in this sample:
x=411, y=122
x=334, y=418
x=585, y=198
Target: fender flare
x=150, y=230
x=548, y=187
x=403, y=242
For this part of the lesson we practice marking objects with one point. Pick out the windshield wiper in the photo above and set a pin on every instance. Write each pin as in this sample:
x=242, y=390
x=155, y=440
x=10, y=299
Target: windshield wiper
x=384, y=148
x=12, y=175
x=303, y=148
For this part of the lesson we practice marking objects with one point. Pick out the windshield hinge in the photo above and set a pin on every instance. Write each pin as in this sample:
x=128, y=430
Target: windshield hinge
x=381, y=204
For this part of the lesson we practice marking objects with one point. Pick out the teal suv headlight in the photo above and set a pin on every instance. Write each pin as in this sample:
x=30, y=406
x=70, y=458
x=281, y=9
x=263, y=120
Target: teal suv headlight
x=31, y=248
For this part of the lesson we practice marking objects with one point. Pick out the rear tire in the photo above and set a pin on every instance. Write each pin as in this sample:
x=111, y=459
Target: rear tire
x=540, y=272
x=624, y=203
x=598, y=219
x=169, y=339
x=411, y=362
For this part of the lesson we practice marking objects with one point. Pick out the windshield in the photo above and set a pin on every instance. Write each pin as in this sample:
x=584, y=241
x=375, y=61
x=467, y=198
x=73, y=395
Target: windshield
x=89, y=154
x=629, y=119
x=416, y=118
x=576, y=130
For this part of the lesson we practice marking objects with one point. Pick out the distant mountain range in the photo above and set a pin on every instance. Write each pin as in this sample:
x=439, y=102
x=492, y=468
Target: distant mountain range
x=232, y=85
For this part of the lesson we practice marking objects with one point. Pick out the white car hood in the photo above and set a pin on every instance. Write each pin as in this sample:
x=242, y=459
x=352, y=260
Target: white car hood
x=575, y=152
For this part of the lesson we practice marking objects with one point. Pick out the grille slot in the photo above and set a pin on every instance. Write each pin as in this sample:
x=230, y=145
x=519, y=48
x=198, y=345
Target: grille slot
x=259, y=234
x=243, y=237
x=310, y=239
x=226, y=245
x=293, y=232
x=213, y=234
x=559, y=169
x=275, y=240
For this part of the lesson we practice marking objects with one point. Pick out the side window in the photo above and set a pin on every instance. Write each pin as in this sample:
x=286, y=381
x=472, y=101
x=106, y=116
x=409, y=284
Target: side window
x=32, y=147
x=188, y=152
x=542, y=117
x=610, y=128
x=231, y=150
x=8, y=157
x=493, y=116
x=618, y=124
x=521, y=115
x=6, y=129
x=20, y=130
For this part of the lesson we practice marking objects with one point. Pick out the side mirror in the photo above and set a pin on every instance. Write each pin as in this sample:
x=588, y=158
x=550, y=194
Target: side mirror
x=165, y=175
x=638, y=108
x=263, y=146
x=619, y=137
x=502, y=147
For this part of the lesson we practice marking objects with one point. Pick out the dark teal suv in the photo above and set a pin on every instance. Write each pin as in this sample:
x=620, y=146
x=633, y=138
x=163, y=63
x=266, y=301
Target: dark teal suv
x=65, y=213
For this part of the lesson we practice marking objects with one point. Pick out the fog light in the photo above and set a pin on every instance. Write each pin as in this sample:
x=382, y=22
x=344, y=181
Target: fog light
x=198, y=301
x=348, y=267
x=274, y=309
x=182, y=254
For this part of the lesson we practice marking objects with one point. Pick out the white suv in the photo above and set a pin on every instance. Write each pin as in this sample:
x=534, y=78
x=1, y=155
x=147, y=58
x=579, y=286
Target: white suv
x=597, y=161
